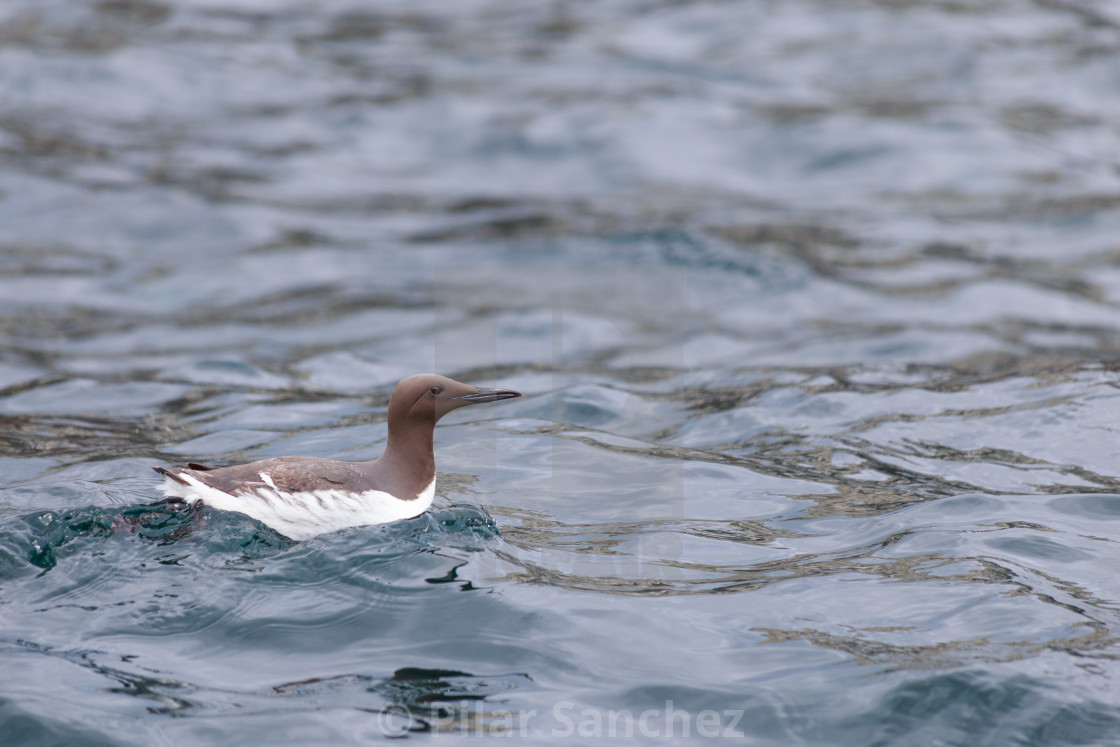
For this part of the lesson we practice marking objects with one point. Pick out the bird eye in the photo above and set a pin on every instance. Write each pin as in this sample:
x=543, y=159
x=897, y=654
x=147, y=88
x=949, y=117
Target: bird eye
x=437, y=389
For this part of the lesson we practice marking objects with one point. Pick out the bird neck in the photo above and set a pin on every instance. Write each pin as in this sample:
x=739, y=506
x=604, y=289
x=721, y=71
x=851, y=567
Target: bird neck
x=410, y=450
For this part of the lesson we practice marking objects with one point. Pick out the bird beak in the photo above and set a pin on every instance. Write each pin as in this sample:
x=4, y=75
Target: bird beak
x=489, y=395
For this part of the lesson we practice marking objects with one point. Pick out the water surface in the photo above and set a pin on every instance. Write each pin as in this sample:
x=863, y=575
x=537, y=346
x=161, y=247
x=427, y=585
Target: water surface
x=814, y=304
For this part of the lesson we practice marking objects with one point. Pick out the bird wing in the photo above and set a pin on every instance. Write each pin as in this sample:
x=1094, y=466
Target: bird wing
x=286, y=474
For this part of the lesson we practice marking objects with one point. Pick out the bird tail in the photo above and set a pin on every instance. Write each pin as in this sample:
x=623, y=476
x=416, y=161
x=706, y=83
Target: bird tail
x=170, y=475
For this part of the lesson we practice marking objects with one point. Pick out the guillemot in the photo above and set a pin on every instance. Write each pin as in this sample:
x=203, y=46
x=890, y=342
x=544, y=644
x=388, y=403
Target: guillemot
x=301, y=497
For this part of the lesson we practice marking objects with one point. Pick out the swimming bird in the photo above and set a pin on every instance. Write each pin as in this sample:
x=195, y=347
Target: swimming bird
x=301, y=497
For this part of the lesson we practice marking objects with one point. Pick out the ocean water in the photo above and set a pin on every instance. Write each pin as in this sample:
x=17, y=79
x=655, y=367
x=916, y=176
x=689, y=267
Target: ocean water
x=815, y=305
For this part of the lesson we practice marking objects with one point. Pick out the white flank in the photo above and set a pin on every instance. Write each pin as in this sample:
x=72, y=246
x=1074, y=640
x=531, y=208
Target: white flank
x=304, y=515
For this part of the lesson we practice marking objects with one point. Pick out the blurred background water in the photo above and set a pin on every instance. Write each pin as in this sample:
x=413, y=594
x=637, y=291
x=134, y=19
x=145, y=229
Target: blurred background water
x=814, y=304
